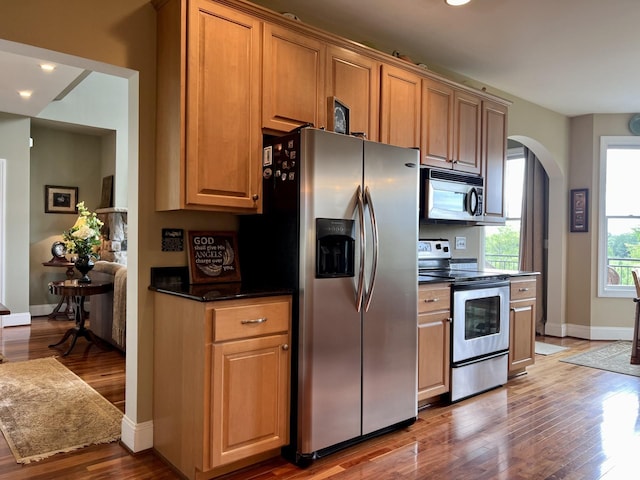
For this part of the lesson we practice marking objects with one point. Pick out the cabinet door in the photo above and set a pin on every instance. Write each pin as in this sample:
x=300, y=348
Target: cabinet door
x=433, y=354
x=522, y=335
x=223, y=137
x=400, y=107
x=467, y=132
x=437, y=124
x=293, y=80
x=249, y=398
x=355, y=80
x=494, y=153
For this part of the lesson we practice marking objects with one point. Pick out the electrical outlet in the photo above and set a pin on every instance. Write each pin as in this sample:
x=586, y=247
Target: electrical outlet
x=461, y=243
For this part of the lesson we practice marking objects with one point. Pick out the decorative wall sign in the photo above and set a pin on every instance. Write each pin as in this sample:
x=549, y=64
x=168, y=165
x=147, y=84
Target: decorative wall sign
x=59, y=199
x=172, y=239
x=213, y=257
x=337, y=116
x=579, y=210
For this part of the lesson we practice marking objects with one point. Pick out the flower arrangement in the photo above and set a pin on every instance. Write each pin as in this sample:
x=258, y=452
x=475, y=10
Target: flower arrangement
x=84, y=236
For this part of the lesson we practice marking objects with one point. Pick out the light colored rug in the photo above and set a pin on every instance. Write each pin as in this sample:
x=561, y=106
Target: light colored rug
x=613, y=357
x=46, y=409
x=548, y=348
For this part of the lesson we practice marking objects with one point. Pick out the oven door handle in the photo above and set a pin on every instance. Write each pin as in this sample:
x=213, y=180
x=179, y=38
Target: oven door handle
x=374, y=233
x=464, y=363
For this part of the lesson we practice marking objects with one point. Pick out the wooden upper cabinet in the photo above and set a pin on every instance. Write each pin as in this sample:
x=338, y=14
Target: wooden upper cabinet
x=293, y=80
x=209, y=142
x=494, y=153
x=354, y=79
x=436, y=144
x=400, y=107
x=467, y=132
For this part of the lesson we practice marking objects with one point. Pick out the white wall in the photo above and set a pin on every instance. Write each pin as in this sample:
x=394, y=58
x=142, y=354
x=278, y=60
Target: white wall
x=14, y=147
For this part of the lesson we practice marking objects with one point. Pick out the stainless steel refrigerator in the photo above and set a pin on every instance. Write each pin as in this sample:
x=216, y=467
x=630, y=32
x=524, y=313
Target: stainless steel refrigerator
x=340, y=228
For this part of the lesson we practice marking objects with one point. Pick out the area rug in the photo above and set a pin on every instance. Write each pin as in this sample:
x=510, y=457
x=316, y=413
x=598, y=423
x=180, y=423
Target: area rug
x=613, y=357
x=548, y=348
x=46, y=409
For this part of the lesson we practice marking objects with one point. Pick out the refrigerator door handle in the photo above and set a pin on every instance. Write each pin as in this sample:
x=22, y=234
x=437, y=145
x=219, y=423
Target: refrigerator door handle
x=360, y=287
x=374, y=232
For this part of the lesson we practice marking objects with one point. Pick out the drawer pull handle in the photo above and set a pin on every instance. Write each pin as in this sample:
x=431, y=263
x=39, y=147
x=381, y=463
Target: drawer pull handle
x=431, y=300
x=523, y=289
x=257, y=320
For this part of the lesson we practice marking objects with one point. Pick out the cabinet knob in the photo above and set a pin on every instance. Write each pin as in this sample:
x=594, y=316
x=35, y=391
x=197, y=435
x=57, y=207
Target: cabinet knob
x=285, y=347
x=255, y=197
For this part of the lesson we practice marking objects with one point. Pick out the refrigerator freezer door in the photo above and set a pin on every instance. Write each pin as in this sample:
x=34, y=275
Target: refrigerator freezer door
x=329, y=374
x=389, y=369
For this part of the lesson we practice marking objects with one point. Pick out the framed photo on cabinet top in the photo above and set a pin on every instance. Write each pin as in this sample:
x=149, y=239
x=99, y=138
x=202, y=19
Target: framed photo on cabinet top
x=579, y=210
x=337, y=116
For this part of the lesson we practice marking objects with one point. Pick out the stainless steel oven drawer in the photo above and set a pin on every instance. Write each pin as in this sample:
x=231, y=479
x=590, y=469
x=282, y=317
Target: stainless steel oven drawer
x=473, y=378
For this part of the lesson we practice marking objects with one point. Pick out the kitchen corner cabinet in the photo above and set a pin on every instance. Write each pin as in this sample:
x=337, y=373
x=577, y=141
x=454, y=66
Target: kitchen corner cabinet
x=355, y=80
x=400, y=107
x=293, y=80
x=494, y=156
x=221, y=382
x=434, y=330
x=522, y=323
x=209, y=142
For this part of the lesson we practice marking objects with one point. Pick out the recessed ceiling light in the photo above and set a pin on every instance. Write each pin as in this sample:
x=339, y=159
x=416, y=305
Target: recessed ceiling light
x=456, y=3
x=47, y=67
x=25, y=93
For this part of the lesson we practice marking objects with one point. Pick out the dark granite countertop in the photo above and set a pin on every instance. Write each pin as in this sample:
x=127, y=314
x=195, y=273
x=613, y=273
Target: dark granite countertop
x=175, y=281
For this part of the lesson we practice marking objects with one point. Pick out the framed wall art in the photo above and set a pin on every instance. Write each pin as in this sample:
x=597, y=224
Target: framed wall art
x=213, y=257
x=58, y=199
x=579, y=210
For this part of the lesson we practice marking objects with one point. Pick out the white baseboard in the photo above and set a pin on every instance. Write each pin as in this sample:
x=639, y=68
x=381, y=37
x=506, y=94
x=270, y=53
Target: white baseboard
x=15, y=319
x=137, y=436
x=588, y=332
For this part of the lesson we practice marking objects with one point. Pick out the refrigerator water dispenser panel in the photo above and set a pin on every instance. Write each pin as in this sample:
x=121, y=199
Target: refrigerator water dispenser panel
x=335, y=244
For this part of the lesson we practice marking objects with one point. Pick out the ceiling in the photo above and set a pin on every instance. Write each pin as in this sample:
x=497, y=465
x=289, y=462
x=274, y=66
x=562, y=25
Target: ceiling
x=571, y=56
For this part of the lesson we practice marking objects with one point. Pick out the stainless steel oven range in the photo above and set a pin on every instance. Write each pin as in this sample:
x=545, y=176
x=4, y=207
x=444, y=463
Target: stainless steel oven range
x=480, y=318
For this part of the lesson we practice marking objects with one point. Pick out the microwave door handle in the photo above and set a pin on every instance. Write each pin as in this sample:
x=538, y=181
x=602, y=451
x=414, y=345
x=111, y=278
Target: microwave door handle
x=374, y=233
x=472, y=201
x=360, y=285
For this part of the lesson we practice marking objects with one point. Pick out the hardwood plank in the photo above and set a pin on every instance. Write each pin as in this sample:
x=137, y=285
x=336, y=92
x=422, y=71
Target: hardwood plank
x=557, y=421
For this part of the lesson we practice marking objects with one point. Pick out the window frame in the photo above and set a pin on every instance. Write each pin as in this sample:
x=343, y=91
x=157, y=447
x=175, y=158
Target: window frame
x=605, y=290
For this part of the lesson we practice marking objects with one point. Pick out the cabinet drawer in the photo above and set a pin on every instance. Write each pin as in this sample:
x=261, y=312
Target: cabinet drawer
x=249, y=319
x=523, y=289
x=433, y=298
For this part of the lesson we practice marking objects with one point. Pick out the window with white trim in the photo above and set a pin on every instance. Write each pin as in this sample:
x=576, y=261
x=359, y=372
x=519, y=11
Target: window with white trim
x=619, y=219
x=502, y=243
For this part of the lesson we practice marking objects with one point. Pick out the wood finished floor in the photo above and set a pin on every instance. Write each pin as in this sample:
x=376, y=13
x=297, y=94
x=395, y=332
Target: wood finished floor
x=559, y=421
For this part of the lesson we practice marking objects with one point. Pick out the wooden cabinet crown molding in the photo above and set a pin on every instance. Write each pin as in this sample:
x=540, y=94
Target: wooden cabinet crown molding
x=271, y=16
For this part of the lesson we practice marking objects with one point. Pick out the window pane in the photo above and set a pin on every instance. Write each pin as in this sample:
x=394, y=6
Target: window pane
x=514, y=182
x=623, y=249
x=502, y=246
x=623, y=168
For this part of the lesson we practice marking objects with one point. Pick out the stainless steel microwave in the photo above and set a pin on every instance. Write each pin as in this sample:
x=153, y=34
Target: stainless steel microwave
x=446, y=195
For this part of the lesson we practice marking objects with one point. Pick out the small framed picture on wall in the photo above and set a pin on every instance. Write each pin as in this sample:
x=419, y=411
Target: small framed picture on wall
x=579, y=210
x=58, y=199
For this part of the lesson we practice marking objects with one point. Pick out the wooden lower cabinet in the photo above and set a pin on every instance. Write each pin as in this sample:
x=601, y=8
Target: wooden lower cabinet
x=221, y=382
x=522, y=324
x=434, y=329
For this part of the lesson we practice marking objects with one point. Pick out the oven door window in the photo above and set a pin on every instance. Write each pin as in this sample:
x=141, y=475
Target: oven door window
x=482, y=317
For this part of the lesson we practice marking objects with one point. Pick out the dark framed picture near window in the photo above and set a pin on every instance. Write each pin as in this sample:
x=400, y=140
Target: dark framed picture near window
x=579, y=210
x=58, y=199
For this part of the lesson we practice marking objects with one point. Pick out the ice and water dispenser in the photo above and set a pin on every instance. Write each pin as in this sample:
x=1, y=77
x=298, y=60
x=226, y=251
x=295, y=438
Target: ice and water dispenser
x=335, y=246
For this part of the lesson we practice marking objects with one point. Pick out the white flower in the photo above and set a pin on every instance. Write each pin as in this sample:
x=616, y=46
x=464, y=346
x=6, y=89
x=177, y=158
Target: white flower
x=84, y=233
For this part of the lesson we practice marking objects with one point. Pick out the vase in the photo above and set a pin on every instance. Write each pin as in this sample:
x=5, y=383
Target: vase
x=84, y=264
